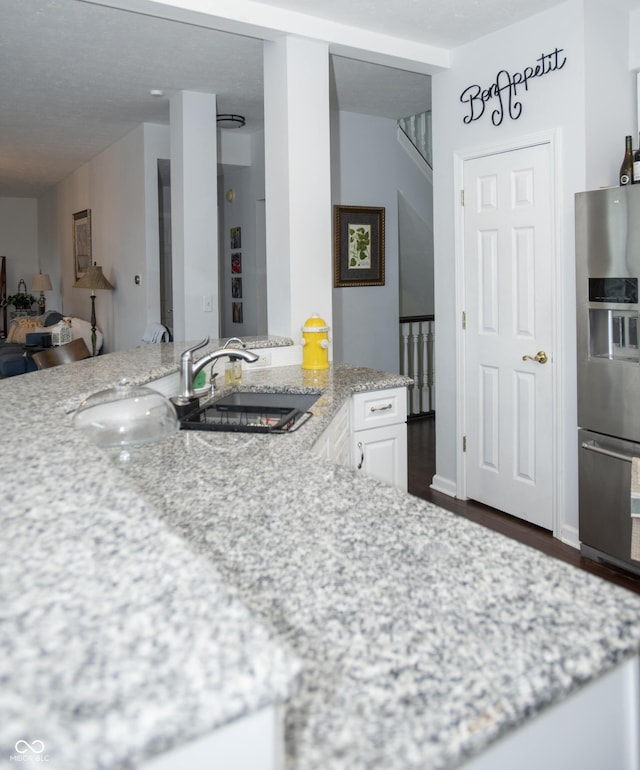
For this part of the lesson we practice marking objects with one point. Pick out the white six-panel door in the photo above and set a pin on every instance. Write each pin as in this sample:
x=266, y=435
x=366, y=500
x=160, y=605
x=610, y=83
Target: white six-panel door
x=508, y=308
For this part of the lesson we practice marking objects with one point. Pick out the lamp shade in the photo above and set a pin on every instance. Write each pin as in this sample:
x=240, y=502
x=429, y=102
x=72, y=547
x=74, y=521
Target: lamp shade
x=41, y=282
x=93, y=279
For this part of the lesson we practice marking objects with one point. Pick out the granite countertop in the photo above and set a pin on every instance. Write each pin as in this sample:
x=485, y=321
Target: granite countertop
x=118, y=640
x=403, y=636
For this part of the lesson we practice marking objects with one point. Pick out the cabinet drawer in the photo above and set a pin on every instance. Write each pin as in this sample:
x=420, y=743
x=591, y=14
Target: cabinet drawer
x=379, y=407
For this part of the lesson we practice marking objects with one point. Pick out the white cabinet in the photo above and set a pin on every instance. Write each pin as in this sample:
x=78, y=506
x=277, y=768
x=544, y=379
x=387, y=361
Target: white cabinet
x=381, y=453
x=369, y=434
x=334, y=443
x=594, y=727
x=379, y=435
x=254, y=742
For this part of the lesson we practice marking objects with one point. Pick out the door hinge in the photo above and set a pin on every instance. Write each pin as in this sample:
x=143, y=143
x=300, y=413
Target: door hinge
x=464, y=443
x=462, y=197
x=464, y=320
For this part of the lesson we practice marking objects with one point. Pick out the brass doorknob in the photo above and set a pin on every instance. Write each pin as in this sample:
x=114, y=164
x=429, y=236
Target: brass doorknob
x=540, y=357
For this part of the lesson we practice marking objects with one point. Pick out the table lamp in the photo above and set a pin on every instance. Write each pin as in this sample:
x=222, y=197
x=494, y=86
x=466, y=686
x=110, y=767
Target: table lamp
x=41, y=282
x=93, y=279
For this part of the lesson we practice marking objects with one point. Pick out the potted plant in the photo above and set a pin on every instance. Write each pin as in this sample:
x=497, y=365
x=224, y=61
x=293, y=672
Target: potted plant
x=22, y=301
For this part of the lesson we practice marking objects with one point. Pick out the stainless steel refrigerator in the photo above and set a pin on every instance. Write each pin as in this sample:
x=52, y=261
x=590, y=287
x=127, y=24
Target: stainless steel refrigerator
x=607, y=276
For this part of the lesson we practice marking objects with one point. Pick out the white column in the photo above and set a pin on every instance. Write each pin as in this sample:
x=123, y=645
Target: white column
x=297, y=183
x=194, y=215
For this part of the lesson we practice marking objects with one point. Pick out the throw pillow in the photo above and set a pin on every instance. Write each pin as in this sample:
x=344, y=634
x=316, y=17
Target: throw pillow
x=20, y=327
x=52, y=318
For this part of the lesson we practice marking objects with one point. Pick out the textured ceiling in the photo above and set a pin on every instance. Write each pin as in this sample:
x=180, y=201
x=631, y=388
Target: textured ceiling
x=442, y=23
x=76, y=76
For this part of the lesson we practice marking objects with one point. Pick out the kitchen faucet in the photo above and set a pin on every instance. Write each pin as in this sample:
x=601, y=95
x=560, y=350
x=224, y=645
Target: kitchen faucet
x=233, y=339
x=189, y=370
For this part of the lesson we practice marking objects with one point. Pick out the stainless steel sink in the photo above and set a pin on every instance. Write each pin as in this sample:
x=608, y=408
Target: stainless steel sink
x=249, y=398
x=252, y=412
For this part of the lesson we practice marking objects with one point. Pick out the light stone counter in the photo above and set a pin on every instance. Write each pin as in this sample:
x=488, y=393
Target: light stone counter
x=421, y=637
x=117, y=640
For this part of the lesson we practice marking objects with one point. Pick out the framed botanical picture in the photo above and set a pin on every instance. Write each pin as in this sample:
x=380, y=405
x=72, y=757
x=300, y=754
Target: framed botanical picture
x=236, y=312
x=236, y=262
x=81, y=242
x=236, y=287
x=235, y=237
x=358, y=258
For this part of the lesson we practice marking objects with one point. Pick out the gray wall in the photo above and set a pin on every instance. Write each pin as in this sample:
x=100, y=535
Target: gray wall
x=19, y=243
x=369, y=168
x=120, y=187
x=416, y=260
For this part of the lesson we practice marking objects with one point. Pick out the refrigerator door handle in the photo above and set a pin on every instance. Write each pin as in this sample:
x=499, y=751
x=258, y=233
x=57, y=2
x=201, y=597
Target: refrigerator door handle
x=593, y=447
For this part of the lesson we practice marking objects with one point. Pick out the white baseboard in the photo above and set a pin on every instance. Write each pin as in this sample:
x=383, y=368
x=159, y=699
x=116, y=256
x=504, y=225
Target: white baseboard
x=570, y=536
x=446, y=486
x=568, y=533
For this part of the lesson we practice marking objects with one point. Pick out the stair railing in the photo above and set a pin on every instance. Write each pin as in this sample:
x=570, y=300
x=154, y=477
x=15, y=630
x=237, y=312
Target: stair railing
x=417, y=340
x=417, y=129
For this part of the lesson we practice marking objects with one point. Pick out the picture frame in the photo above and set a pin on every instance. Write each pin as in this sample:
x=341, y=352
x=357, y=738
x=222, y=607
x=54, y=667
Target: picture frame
x=358, y=255
x=81, y=242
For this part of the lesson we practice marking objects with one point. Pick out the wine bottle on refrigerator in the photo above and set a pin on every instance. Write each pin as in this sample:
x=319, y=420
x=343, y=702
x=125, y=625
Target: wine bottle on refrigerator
x=626, y=169
x=636, y=165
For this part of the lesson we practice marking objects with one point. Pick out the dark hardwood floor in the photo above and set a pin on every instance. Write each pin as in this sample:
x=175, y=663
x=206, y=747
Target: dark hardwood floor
x=422, y=462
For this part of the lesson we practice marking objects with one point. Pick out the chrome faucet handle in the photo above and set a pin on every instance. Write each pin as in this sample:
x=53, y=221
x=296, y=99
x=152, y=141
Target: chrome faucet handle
x=189, y=351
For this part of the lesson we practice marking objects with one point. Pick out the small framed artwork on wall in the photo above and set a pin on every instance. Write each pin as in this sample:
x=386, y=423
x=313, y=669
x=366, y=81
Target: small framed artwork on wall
x=236, y=312
x=358, y=258
x=235, y=237
x=236, y=262
x=82, y=242
x=236, y=287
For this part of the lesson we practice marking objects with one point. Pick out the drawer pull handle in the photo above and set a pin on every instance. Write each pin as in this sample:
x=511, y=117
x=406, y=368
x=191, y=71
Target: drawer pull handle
x=361, y=448
x=384, y=408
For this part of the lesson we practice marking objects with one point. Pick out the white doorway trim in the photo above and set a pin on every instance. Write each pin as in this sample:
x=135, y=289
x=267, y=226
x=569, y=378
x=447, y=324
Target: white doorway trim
x=553, y=138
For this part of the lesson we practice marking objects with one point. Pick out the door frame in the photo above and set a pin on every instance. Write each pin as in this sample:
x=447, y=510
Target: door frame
x=553, y=138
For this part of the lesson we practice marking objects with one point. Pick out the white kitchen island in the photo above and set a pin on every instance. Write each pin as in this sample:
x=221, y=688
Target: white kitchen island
x=391, y=633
